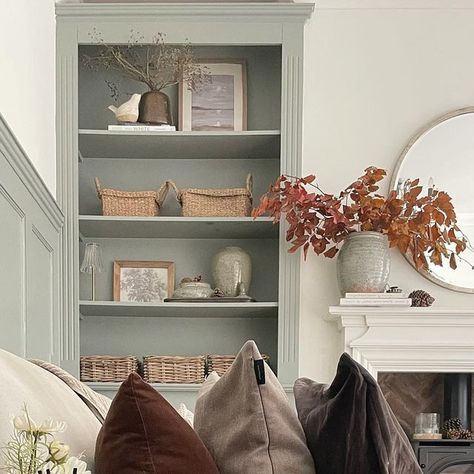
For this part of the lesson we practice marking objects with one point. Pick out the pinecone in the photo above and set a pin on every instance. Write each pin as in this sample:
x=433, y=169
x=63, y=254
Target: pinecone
x=465, y=434
x=459, y=434
x=453, y=425
x=452, y=434
x=421, y=298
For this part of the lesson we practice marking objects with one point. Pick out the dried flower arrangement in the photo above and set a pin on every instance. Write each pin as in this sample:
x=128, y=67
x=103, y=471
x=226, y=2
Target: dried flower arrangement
x=420, y=226
x=158, y=64
x=33, y=449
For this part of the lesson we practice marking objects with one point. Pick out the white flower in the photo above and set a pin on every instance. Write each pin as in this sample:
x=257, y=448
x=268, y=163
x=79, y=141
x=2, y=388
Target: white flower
x=68, y=467
x=24, y=422
x=75, y=463
x=58, y=452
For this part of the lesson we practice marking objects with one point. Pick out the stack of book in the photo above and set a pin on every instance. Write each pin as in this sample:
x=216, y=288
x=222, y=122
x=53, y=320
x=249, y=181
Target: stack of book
x=375, y=299
x=142, y=127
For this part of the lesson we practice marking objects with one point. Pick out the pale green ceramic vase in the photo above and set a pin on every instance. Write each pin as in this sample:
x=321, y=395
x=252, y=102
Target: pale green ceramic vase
x=363, y=263
x=231, y=266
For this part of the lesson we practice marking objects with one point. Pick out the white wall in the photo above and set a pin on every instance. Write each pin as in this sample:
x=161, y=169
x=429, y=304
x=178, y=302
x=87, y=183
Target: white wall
x=373, y=77
x=27, y=79
x=376, y=71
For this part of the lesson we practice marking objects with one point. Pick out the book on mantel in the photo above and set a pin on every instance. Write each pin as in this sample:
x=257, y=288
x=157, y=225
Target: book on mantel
x=375, y=299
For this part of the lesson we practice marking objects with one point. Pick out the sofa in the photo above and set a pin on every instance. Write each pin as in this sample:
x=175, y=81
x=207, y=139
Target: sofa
x=244, y=423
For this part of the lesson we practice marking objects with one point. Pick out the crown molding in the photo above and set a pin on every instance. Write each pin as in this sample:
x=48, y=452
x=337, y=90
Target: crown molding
x=269, y=11
x=395, y=5
x=21, y=164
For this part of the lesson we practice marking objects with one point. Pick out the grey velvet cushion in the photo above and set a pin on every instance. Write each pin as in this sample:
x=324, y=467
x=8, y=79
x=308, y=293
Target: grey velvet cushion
x=350, y=427
x=248, y=427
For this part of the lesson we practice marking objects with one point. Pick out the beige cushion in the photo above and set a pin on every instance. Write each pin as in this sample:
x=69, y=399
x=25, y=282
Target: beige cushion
x=97, y=403
x=45, y=396
x=248, y=427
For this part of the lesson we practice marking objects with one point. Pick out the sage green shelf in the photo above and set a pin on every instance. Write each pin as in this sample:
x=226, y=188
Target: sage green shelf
x=161, y=387
x=254, y=144
x=164, y=227
x=179, y=310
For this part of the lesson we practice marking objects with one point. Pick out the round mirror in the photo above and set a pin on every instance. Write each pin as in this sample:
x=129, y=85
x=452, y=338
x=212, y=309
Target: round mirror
x=442, y=156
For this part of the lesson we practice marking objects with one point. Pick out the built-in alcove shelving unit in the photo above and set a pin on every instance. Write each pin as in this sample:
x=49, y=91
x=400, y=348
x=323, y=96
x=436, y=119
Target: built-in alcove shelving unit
x=269, y=38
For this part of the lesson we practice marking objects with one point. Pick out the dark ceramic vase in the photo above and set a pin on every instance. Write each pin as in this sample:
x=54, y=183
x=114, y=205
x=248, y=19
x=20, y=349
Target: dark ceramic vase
x=155, y=109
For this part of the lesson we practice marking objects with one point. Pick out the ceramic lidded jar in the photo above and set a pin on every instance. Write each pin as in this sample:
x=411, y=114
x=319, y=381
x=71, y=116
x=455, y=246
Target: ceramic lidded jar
x=193, y=289
x=231, y=266
x=363, y=263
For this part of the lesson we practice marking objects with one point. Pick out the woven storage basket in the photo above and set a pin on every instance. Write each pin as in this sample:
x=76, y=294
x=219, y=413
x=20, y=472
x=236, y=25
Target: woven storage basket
x=227, y=202
x=101, y=368
x=220, y=363
x=174, y=369
x=131, y=203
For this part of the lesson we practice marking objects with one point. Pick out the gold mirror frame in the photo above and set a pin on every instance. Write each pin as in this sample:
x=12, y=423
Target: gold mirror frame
x=393, y=186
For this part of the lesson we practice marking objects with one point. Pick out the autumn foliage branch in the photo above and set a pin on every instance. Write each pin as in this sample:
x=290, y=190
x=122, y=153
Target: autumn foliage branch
x=423, y=226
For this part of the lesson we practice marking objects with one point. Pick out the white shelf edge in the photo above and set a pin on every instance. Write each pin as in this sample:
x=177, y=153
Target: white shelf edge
x=92, y=217
x=180, y=133
x=178, y=310
x=408, y=310
x=177, y=227
x=126, y=304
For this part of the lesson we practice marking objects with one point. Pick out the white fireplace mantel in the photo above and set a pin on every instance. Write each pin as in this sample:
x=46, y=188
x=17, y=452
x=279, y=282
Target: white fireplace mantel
x=407, y=339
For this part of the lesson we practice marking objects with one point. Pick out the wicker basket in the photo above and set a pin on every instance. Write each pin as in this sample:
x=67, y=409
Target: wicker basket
x=230, y=202
x=101, y=368
x=174, y=369
x=131, y=203
x=220, y=363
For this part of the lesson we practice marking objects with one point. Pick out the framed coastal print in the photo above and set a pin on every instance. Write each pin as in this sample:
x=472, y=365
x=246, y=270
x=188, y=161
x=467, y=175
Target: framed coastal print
x=221, y=103
x=143, y=281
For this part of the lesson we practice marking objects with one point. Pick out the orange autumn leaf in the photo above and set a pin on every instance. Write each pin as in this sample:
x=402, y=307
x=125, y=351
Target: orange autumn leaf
x=331, y=252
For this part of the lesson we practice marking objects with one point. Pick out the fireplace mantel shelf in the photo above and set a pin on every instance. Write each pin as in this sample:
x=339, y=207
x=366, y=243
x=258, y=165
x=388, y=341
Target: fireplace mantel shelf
x=382, y=316
x=391, y=339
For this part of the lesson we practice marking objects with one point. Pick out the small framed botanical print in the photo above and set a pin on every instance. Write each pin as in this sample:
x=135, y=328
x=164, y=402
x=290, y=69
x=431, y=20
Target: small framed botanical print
x=221, y=103
x=143, y=281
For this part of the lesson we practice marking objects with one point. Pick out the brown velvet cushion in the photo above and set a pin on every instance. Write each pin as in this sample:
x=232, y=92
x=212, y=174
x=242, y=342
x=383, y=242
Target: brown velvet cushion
x=349, y=426
x=144, y=434
x=250, y=428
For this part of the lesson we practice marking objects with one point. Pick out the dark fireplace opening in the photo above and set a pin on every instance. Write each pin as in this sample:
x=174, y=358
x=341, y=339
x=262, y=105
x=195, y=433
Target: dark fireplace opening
x=458, y=398
x=450, y=455
x=448, y=394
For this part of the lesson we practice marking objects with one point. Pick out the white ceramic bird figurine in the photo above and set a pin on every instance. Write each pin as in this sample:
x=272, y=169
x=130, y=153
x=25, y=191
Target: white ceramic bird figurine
x=128, y=111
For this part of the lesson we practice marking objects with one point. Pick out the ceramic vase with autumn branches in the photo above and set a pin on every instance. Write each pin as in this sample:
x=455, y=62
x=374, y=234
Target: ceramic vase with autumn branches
x=424, y=226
